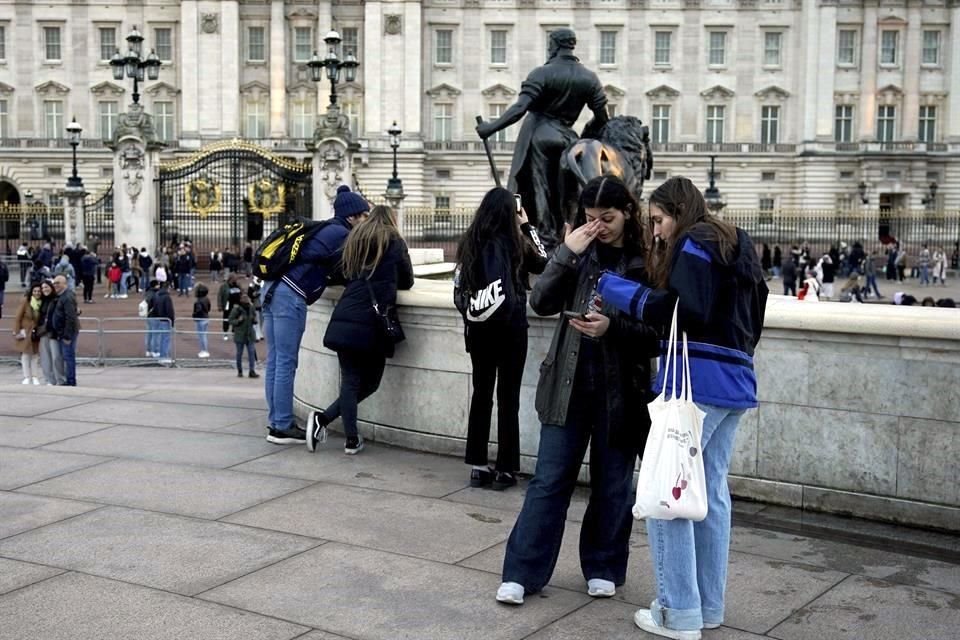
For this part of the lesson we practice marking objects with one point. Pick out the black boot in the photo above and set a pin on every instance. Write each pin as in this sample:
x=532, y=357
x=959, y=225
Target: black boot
x=239, y=372
x=254, y=374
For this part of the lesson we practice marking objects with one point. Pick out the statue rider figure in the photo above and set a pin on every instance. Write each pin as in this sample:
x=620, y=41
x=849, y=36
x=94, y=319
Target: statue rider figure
x=552, y=97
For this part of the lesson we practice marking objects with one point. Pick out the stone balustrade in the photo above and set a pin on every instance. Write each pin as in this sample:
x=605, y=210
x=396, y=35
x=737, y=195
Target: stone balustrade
x=859, y=404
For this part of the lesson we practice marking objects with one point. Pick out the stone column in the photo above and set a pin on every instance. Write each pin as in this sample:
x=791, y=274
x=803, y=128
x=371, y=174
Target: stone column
x=826, y=72
x=75, y=231
x=811, y=39
x=333, y=150
x=278, y=71
x=190, y=72
x=135, y=163
x=952, y=122
x=910, y=122
x=868, y=75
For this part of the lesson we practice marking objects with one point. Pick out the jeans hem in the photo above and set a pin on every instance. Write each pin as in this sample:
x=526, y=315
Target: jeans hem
x=676, y=619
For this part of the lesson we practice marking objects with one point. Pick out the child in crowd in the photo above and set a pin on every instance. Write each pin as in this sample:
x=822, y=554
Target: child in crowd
x=201, y=317
x=242, y=320
x=114, y=274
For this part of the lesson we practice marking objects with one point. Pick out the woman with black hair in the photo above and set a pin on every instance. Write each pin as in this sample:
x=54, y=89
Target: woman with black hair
x=494, y=258
x=708, y=270
x=593, y=388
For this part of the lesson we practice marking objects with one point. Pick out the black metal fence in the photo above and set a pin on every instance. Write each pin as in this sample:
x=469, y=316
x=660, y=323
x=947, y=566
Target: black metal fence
x=98, y=220
x=30, y=223
x=429, y=228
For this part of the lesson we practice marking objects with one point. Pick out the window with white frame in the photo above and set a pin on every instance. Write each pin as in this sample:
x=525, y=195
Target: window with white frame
x=496, y=110
x=302, y=119
x=662, y=41
x=931, y=48
x=55, y=199
x=769, y=124
x=302, y=44
x=661, y=123
x=53, y=118
x=107, y=113
x=498, y=46
x=163, y=43
x=889, y=40
x=351, y=109
x=443, y=46
x=715, y=121
x=51, y=44
x=163, y=118
x=4, y=119
x=886, y=122
x=3, y=42
x=717, y=49
x=772, y=48
x=351, y=41
x=256, y=44
x=843, y=123
x=108, y=42
x=256, y=119
x=608, y=47
x=441, y=204
x=928, y=124
x=442, y=121
x=767, y=203
x=847, y=47
x=768, y=176
x=613, y=109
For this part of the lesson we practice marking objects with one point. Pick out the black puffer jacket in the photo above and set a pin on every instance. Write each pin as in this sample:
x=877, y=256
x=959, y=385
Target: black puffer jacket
x=567, y=284
x=354, y=326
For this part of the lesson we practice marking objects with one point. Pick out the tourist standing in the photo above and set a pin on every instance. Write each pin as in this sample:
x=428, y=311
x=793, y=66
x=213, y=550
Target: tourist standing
x=50, y=361
x=285, y=303
x=593, y=389
x=4, y=277
x=201, y=318
x=65, y=323
x=870, y=271
x=711, y=268
x=161, y=311
x=788, y=270
x=242, y=319
x=24, y=260
x=26, y=340
x=923, y=262
x=375, y=264
x=88, y=274
x=940, y=267
x=494, y=258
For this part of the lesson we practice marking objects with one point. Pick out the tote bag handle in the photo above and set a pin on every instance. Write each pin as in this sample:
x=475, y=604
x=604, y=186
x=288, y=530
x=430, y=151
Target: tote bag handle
x=671, y=356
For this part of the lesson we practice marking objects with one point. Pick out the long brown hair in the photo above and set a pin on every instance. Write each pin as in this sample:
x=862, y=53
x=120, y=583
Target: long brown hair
x=682, y=201
x=368, y=242
x=610, y=192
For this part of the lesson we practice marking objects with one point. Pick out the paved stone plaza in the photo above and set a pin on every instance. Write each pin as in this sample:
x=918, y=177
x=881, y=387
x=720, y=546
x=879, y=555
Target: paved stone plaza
x=145, y=504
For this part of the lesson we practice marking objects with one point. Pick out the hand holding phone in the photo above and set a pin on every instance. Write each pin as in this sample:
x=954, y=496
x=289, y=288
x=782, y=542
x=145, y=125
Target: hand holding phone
x=577, y=315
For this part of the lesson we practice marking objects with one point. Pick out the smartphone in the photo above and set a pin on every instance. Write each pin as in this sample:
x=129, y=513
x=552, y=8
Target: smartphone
x=516, y=197
x=577, y=315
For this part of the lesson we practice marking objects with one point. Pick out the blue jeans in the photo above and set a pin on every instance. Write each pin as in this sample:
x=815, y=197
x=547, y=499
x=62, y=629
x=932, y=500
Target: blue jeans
x=872, y=284
x=284, y=320
x=183, y=283
x=123, y=283
x=924, y=274
x=166, y=332
x=534, y=543
x=144, y=281
x=690, y=558
x=202, y=333
x=68, y=351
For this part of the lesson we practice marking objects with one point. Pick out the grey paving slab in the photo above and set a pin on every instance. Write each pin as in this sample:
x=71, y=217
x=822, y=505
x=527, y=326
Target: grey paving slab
x=35, y=402
x=379, y=467
x=322, y=635
x=79, y=607
x=214, y=397
x=400, y=597
x=849, y=558
x=19, y=467
x=875, y=609
x=14, y=575
x=613, y=620
x=180, y=489
x=251, y=426
x=155, y=414
x=34, y=432
x=89, y=384
x=22, y=512
x=512, y=499
x=169, y=445
x=422, y=527
x=174, y=553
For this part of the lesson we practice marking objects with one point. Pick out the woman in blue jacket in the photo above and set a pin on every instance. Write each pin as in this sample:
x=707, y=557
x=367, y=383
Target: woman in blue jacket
x=712, y=268
x=375, y=263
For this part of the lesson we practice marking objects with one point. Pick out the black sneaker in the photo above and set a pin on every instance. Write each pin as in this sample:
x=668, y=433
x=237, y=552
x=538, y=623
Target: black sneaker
x=253, y=374
x=354, y=445
x=316, y=429
x=293, y=435
x=503, y=480
x=481, y=477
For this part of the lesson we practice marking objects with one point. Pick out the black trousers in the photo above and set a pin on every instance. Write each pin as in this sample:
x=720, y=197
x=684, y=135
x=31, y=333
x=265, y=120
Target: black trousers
x=360, y=375
x=498, y=358
x=87, y=288
x=226, y=321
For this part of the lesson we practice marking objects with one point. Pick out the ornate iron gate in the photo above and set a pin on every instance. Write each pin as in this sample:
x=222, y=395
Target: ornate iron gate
x=98, y=221
x=229, y=194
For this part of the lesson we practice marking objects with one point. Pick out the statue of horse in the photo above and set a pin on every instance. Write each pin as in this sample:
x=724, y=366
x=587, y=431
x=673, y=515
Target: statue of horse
x=621, y=148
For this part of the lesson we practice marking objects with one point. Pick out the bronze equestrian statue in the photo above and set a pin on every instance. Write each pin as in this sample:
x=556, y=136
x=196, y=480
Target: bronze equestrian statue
x=552, y=97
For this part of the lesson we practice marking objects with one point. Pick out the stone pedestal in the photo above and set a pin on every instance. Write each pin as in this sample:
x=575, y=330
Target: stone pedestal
x=333, y=148
x=135, y=161
x=395, y=197
x=75, y=231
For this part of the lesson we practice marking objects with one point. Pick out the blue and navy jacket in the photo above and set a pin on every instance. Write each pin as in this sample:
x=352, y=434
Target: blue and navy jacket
x=722, y=303
x=317, y=259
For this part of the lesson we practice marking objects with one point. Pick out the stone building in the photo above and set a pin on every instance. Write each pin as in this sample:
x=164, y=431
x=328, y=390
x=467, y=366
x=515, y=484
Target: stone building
x=804, y=103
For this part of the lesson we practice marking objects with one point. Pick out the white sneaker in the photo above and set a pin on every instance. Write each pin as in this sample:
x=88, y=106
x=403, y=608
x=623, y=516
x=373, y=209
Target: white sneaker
x=123, y=296
x=510, y=593
x=149, y=354
x=225, y=338
x=26, y=381
x=36, y=381
x=600, y=588
x=711, y=625
x=106, y=296
x=203, y=354
x=166, y=361
x=644, y=619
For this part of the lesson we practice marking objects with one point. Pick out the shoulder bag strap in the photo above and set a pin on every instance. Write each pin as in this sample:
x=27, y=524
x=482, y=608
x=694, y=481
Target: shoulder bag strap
x=373, y=297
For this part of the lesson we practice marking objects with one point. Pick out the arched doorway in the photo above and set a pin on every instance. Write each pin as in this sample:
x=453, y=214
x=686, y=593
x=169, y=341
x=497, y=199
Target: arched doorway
x=9, y=215
x=8, y=193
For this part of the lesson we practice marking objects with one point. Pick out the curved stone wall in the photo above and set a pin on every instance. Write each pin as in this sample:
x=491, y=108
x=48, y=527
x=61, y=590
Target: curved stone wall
x=859, y=404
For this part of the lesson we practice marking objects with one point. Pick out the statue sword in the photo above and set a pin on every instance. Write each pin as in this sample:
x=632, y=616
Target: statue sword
x=493, y=165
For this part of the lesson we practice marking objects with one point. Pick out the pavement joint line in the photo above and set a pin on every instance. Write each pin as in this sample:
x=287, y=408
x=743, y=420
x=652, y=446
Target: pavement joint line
x=40, y=581
x=147, y=426
x=39, y=446
x=63, y=473
x=558, y=619
x=44, y=526
x=833, y=586
x=319, y=544
x=73, y=406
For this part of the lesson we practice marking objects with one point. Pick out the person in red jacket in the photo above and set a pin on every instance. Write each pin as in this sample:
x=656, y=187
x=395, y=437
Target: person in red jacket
x=114, y=274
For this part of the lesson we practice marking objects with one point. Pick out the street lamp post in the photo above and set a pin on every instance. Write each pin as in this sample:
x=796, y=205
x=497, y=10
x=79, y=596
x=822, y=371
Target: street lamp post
x=333, y=64
x=133, y=65
x=395, y=194
x=715, y=202
x=73, y=211
x=74, y=130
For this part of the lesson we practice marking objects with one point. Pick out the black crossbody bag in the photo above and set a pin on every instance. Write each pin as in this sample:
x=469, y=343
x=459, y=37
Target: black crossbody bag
x=388, y=318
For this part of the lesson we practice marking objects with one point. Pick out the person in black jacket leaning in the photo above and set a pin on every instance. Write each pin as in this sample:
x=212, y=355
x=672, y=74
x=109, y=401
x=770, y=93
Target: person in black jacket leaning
x=375, y=264
x=594, y=385
x=494, y=258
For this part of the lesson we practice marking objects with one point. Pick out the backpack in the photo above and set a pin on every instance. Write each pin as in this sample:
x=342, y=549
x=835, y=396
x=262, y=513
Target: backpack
x=143, y=308
x=280, y=250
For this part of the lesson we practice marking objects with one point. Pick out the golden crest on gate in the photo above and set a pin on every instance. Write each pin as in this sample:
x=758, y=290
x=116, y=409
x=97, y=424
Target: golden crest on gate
x=266, y=197
x=203, y=196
